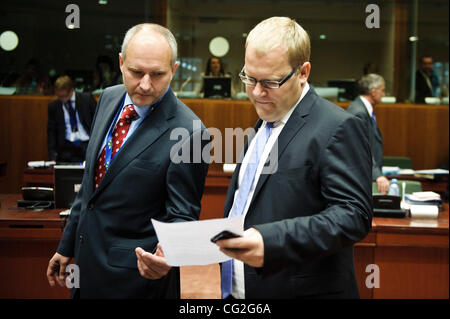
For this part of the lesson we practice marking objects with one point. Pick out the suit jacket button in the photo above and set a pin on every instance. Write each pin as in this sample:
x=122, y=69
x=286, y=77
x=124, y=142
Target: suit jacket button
x=81, y=238
x=91, y=206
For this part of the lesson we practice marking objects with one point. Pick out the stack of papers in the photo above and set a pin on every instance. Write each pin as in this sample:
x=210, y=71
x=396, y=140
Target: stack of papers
x=423, y=204
x=37, y=164
x=431, y=173
x=423, y=198
x=427, y=195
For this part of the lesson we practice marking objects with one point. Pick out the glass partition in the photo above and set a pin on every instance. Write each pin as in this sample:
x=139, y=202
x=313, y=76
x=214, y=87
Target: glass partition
x=348, y=39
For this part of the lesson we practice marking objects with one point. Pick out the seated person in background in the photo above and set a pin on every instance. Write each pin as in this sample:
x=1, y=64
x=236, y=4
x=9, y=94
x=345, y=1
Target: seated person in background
x=214, y=68
x=427, y=82
x=69, y=122
x=32, y=81
x=371, y=88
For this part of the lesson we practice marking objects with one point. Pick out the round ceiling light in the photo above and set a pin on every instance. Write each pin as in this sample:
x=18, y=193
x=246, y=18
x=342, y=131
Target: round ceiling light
x=9, y=40
x=219, y=46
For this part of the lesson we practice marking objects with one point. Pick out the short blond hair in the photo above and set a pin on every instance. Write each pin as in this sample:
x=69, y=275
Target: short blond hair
x=281, y=32
x=64, y=83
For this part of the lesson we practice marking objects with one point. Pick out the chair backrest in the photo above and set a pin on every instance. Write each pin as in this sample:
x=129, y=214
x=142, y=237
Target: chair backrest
x=402, y=162
x=410, y=187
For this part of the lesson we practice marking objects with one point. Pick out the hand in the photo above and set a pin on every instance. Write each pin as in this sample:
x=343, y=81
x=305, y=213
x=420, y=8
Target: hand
x=56, y=271
x=249, y=248
x=152, y=266
x=383, y=184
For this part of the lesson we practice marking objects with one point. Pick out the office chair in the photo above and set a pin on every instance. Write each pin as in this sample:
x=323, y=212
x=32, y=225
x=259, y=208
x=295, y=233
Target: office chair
x=402, y=162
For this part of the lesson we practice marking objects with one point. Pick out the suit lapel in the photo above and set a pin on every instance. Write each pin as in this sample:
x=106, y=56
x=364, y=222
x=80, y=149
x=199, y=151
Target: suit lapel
x=80, y=110
x=60, y=119
x=295, y=123
x=103, y=122
x=153, y=126
x=376, y=130
x=293, y=126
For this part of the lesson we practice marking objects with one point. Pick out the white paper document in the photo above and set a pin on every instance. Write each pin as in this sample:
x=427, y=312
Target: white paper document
x=424, y=211
x=189, y=243
x=433, y=171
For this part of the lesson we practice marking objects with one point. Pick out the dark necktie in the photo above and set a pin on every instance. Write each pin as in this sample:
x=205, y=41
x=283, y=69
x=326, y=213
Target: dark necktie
x=241, y=200
x=72, y=116
x=119, y=133
x=374, y=118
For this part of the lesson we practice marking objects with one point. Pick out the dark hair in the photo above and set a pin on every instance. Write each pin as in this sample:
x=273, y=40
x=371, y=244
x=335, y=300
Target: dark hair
x=208, y=66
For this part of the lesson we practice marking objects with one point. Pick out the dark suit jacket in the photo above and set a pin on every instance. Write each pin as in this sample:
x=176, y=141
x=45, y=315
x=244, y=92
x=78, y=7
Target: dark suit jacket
x=422, y=88
x=107, y=224
x=313, y=208
x=56, y=128
x=375, y=138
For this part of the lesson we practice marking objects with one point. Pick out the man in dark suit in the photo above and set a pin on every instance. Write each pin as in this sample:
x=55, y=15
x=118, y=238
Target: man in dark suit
x=427, y=82
x=372, y=89
x=130, y=178
x=305, y=212
x=69, y=122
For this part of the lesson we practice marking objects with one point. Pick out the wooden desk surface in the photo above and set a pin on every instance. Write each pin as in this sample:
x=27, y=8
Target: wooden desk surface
x=28, y=224
x=412, y=254
x=48, y=216
x=414, y=225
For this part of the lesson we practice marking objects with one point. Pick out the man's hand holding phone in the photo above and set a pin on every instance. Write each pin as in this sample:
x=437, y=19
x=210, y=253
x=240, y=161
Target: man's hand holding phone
x=248, y=248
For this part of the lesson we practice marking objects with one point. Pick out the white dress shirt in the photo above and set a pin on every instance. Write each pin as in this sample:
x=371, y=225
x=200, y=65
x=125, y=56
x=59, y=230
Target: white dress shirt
x=367, y=104
x=81, y=134
x=238, y=290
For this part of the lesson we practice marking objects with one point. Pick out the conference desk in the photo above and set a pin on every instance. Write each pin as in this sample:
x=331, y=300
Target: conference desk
x=28, y=239
x=420, y=132
x=411, y=254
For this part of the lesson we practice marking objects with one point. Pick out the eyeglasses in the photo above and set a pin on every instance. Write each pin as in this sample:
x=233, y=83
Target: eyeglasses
x=268, y=84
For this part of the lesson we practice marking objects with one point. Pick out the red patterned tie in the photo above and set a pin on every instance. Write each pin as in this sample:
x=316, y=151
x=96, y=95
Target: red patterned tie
x=118, y=135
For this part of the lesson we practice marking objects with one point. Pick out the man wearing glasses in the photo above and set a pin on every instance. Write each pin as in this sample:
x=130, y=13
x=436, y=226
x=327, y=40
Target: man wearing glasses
x=302, y=218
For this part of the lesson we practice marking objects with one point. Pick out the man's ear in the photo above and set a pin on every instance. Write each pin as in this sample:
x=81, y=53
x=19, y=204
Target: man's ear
x=305, y=70
x=120, y=62
x=174, y=68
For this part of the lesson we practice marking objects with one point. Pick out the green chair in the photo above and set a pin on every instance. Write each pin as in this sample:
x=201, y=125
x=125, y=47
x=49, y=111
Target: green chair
x=402, y=162
x=410, y=187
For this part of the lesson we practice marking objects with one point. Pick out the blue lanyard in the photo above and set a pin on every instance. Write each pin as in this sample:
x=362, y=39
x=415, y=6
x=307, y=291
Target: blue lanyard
x=108, y=146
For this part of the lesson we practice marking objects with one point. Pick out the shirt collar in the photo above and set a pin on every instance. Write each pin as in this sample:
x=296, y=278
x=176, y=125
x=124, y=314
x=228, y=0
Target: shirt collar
x=367, y=104
x=72, y=98
x=286, y=117
x=140, y=110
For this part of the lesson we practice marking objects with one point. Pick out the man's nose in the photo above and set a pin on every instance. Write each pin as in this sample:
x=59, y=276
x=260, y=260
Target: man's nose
x=146, y=82
x=259, y=89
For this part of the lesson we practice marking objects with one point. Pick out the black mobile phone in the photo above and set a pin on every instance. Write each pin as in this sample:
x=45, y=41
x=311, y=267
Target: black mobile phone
x=224, y=235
